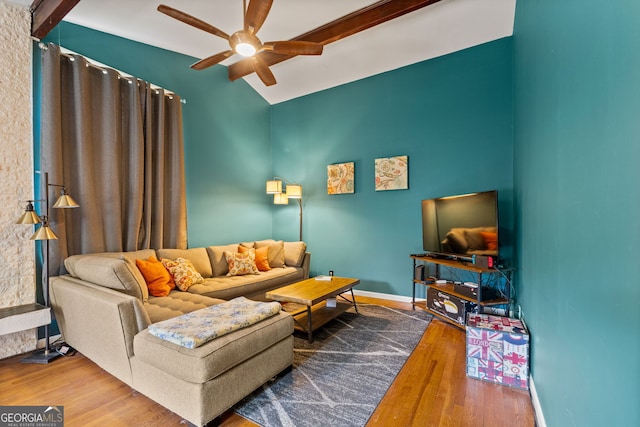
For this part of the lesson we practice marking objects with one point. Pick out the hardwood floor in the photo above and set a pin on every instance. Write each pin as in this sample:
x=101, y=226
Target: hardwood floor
x=430, y=390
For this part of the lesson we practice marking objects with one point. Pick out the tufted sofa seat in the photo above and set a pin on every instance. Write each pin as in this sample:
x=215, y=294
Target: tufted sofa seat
x=177, y=303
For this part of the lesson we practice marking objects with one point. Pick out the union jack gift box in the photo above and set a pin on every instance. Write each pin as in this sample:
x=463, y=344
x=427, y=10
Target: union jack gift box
x=498, y=350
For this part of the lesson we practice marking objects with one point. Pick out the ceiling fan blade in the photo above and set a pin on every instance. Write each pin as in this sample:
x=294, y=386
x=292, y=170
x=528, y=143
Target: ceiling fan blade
x=192, y=20
x=294, y=47
x=240, y=69
x=256, y=14
x=212, y=60
x=263, y=71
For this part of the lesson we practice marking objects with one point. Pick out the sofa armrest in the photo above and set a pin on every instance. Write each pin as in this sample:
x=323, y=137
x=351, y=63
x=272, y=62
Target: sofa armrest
x=98, y=322
x=306, y=264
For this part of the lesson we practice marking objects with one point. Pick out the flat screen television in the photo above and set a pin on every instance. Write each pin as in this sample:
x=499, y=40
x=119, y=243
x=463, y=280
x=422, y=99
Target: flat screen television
x=461, y=226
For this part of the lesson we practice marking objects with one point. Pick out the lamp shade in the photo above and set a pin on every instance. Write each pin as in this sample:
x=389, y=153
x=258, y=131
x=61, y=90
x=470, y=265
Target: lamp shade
x=294, y=191
x=280, y=199
x=65, y=201
x=44, y=233
x=274, y=186
x=29, y=216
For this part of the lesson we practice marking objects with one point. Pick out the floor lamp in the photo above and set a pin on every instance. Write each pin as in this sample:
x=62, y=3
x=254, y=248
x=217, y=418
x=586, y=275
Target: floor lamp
x=280, y=197
x=45, y=234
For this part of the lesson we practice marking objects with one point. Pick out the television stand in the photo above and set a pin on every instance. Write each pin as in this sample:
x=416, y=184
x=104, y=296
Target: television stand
x=451, y=301
x=435, y=255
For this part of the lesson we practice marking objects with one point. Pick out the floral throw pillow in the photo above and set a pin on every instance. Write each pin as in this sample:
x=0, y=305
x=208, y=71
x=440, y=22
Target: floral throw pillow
x=183, y=272
x=241, y=264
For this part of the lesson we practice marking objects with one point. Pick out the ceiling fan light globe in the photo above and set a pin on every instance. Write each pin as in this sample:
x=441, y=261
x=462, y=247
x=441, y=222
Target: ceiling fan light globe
x=243, y=43
x=245, y=49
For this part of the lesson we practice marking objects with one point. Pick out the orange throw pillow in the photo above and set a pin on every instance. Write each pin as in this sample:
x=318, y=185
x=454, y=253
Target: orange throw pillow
x=490, y=239
x=262, y=256
x=158, y=279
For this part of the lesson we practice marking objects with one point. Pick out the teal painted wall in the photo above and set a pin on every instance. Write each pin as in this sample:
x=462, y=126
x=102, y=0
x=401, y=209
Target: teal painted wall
x=577, y=147
x=226, y=134
x=565, y=167
x=452, y=116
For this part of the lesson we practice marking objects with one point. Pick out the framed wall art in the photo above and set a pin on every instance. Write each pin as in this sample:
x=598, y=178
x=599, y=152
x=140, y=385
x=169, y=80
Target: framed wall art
x=392, y=173
x=341, y=178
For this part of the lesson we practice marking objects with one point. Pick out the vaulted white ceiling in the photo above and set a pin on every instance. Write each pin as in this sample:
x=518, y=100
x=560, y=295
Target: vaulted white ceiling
x=435, y=30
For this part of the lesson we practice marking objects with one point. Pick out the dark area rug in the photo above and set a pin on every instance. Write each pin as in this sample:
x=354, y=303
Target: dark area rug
x=339, y=379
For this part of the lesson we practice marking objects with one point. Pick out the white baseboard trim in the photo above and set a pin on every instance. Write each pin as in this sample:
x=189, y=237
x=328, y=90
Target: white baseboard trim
x=540, y=422
x=380, y=295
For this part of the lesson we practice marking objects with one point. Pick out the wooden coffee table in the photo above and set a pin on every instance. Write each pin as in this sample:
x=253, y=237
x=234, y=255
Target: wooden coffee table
x=313, y=294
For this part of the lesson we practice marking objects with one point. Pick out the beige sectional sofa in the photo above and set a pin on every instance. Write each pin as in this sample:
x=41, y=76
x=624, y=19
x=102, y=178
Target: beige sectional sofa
x=103, y=309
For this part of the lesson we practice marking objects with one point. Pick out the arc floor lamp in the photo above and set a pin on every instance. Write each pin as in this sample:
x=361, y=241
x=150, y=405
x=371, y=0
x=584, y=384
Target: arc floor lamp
x=45, y=234
x=281, y=197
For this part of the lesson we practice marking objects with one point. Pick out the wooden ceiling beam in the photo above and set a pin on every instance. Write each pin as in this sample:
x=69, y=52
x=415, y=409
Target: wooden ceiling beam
x=46, y=14
x=362, y=19
x=348, y=25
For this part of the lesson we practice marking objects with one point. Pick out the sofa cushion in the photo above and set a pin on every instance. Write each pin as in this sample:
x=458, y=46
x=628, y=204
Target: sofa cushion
x=201, y=364
x=276, y=252
x=241, y=263
x=294, y=253
x=183, y=272
x=197, y=256
x=127, y=257
x=139, y=254
x=176, y=304
x=194, y=329
x=113, y=270
x=158, y=279
x=218, y=261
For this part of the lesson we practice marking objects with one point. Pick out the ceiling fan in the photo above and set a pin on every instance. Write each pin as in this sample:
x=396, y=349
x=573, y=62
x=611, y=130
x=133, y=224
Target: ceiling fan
x=245, y=42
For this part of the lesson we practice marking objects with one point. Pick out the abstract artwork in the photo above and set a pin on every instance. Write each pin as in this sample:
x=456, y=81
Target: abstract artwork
x=340, y=178
x=392, y=173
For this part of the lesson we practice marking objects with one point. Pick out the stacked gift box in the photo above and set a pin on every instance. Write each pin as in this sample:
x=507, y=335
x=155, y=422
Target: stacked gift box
x=498, y=350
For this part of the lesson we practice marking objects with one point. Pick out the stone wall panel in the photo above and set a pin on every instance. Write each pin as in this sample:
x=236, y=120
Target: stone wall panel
x=17, y=252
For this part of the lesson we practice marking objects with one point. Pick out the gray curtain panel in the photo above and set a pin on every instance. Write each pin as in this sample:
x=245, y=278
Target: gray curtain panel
x=117, y=146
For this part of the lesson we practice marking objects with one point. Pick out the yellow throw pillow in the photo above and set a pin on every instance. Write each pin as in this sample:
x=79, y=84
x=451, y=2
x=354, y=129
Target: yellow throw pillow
x=183, y=272
x=241, y=264
x=158, y=279
x=261, y=254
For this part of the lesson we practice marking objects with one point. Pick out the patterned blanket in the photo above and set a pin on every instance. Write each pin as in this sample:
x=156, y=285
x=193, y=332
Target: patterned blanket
x=198, y=327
